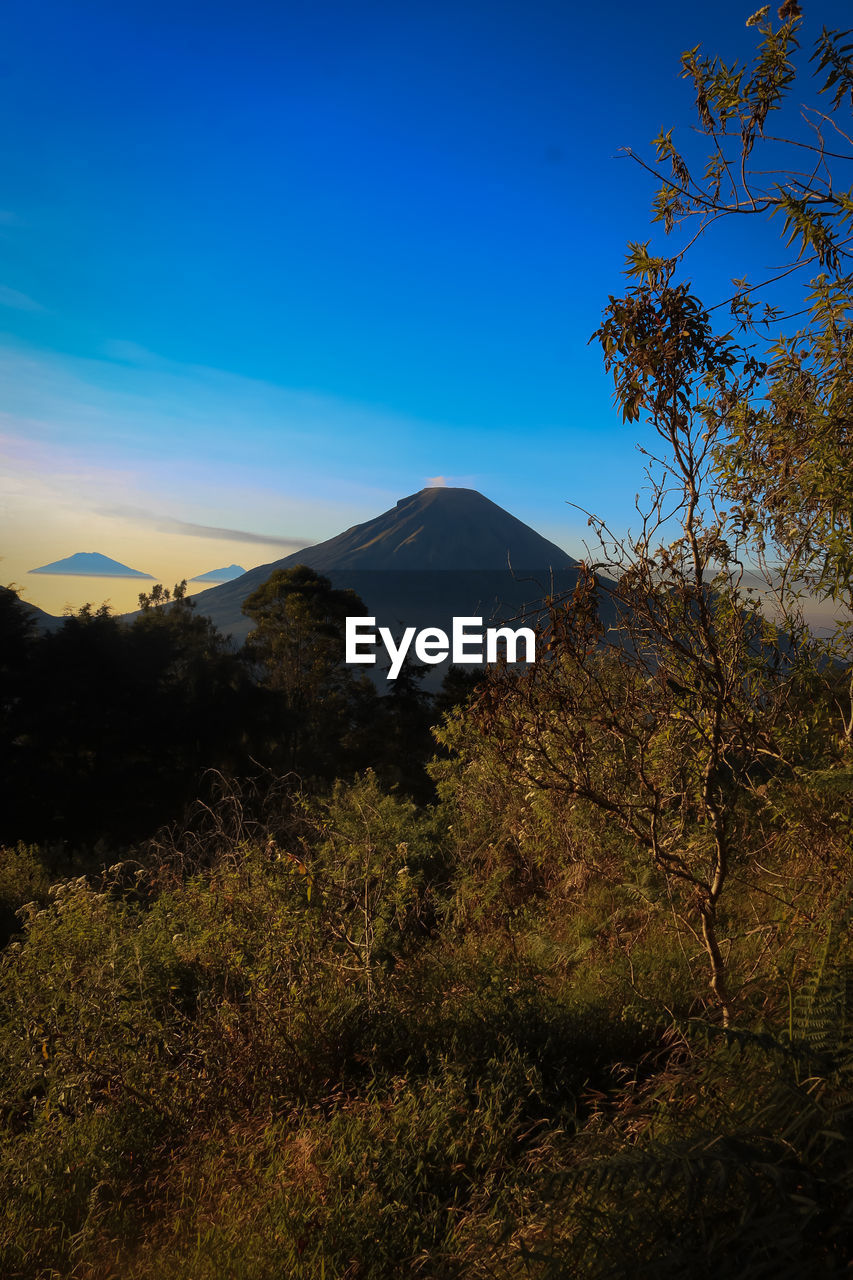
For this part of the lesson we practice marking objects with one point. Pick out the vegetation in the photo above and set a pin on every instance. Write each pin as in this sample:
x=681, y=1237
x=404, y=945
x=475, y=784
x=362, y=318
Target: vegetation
x=289, y=987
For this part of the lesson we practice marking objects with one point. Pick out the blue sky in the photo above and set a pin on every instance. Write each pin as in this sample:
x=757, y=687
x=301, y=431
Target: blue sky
x=267, y=267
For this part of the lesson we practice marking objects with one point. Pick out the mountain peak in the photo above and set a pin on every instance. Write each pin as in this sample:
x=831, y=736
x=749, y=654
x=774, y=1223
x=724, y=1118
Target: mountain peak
x=90, y=564
x=446, y=495
x=226, y=574
x=437, y=528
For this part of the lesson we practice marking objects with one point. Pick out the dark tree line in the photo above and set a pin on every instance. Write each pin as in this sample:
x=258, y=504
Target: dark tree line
x=107, y=727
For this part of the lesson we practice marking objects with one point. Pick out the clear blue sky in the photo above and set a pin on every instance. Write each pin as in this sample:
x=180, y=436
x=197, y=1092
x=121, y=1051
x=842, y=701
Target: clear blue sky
x=266, y=267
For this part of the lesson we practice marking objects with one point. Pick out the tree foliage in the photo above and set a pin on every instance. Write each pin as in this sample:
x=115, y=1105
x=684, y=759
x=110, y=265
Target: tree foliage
x=297, y=642
x=112, y=725
x=787, y=454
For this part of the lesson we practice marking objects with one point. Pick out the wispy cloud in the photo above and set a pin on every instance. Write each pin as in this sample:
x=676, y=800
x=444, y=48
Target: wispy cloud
x=451, y=482
x=17, y=300
x=200, y=452
x=37, y=473
x=233, y=535
x=204, y=423
x=127, y=352
x=168, y=524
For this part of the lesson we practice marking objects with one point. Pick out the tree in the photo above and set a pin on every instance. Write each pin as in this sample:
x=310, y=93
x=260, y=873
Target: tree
x=112, y=725
x=785, y=448
x=18, y=635
x=298, y=643
x=404, y=742
x=671, y=722
x=18, y=642
x=668, y=721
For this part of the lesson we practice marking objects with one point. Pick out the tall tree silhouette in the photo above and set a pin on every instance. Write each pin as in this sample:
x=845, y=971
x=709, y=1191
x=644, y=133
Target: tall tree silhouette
x=298, y=646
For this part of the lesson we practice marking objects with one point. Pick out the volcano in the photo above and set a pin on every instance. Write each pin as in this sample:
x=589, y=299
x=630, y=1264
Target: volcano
x=227, y=574
x=437, y=554
x=90, y=564
x=449, y=529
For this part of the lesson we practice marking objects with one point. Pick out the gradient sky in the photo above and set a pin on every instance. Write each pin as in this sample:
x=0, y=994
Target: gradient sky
x=267, y=267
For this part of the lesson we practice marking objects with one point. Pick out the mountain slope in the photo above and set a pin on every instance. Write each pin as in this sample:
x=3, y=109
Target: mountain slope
x=436, y=553
x=436, y=529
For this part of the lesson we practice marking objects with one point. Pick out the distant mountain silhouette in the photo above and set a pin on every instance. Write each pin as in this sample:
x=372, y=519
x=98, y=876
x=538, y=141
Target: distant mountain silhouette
x=220, y=575
x=90, y=564
x=437, y=554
